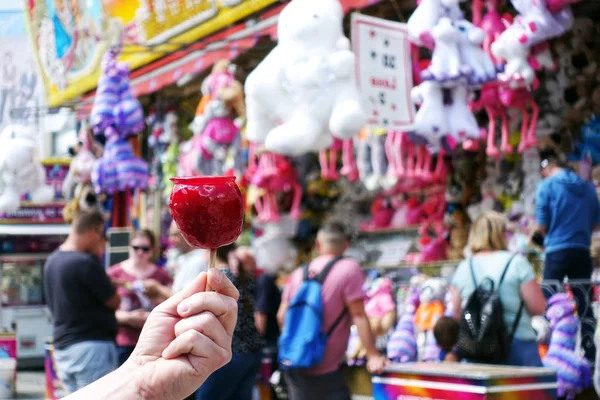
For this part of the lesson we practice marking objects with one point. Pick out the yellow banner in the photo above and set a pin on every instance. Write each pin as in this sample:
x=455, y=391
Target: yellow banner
x=70, y=37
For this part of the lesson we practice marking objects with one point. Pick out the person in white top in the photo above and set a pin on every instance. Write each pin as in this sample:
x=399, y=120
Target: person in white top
x=187, y=266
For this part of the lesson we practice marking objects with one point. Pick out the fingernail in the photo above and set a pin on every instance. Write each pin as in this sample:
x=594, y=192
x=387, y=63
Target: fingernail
x=183, y=308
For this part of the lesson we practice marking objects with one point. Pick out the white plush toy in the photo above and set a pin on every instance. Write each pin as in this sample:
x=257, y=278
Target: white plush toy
x=481, y=69
x=513, y=47
x=446, y=64
x=431, y=120
x=426, y=16
x=304, y=91
x=20, y=171
x=461, y=120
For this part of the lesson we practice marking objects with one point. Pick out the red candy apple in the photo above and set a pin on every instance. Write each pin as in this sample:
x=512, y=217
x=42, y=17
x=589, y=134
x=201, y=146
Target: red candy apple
x=208, y=210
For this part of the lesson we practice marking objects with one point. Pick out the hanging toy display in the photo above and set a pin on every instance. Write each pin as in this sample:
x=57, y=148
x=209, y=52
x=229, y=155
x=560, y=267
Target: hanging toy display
x=272, y=175
x=117, y=115
x=328, y=160
x=304, y=92
x=20, y=171
x=80, y=170
x=219, y=116
x=573, y=371
x=164, y=133
x=372, y=160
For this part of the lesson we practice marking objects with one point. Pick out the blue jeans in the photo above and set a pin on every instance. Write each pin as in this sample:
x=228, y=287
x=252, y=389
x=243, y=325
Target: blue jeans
x=234, y=381
x=576, y=264
x=83, y=363
x=123, y=353
x=524, y=353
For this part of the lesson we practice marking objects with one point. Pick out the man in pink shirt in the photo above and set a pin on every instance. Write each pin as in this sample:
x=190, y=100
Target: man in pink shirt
x=342, y=290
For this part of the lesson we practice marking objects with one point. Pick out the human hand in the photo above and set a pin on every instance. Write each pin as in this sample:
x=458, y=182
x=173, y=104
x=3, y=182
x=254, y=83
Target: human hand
x=376, y=363
x=186, y=338
x=152, y=288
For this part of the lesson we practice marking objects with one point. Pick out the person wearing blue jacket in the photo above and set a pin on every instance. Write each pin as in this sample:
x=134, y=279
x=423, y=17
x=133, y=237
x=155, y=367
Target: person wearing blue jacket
x=567, y=213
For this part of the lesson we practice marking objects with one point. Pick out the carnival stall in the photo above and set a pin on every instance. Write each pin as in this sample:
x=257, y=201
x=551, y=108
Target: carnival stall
x=405, y=122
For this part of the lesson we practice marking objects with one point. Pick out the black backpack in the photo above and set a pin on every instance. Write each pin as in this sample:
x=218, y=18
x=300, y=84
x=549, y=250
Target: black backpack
x=482, y=335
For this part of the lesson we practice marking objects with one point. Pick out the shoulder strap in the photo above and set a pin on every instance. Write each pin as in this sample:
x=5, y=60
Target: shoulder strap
x=504, y=272
x=472, y=273
x=337, y=321
x=516, y=323
x=305, y=271
x=323, y=274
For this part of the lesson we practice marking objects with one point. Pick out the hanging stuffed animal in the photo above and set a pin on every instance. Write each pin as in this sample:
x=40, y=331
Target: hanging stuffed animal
x=274, y=174
x=479, y=67
x=328, y=160
x=381, y=311
x=20, y=171
x=431, y=120
x=426, y=16
x=372, y=162
x=513, y=47
x=304, y=92
x=489, y=100
x=573, y=371
x=461, y=121
x=431, y=308
x=446, y=64
x=491, y=23
x=522, y=99
x=402, y=346
x=80, y=170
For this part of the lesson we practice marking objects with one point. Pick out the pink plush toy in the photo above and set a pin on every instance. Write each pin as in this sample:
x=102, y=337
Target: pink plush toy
x=489, y=101
x=329, y=166
x=522, y=99
x=275, y=174
x=380, y=302
x=491, y=23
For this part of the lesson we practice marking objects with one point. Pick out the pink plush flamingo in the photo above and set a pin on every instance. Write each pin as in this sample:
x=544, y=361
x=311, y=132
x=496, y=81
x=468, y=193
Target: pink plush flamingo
x=329, y=166
x=275, y=174
x=394, y=144
x=491, y=23
x=522, y=100
x=489, y=100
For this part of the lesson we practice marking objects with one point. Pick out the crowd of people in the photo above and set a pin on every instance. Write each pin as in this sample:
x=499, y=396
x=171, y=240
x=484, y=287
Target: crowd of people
x=165, y=337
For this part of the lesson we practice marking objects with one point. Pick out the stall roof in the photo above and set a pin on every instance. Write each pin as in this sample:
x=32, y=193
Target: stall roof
x=34, y=229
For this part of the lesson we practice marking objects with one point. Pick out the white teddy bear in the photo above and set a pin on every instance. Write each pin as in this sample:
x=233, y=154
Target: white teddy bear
x=304, y=91
x=20, y=172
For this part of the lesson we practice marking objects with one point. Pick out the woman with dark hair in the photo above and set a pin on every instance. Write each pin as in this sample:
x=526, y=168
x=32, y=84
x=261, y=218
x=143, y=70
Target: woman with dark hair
x=129, y=276
x=236, y=380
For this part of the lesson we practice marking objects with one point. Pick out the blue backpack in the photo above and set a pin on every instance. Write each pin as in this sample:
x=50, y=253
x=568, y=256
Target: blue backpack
x=302, y=341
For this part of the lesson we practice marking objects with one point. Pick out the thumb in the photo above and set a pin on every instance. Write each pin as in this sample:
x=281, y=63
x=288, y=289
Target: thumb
x=198, y=285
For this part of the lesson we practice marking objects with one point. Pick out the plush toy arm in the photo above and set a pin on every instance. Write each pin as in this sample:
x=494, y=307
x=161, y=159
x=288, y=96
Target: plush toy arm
x=342, y=63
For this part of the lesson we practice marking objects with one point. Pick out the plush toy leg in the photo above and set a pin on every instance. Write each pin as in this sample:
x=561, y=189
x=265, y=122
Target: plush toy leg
x=419, y=162
x=391, y=154
x=505, y=147
x=532, y=138
x=271, y=201
x=325, y=173
x=410, y=163
x=349, y=169
x=260, y=210
x=347, y=117
x=438, y=174
x=9, y=200
x=492, y=150
x=426, y=164
x=295, y=212
x=363, y=159
x=524, y=132
x=300, y=135
x=399, y=150
x=333, y=158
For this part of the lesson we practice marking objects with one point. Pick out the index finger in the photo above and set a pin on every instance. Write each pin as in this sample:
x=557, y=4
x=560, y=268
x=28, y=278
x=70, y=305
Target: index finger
x=221, y=284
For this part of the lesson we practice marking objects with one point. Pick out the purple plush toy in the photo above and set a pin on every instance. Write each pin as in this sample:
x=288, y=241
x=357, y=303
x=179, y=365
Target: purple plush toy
x=402, y=346
x=573, y=371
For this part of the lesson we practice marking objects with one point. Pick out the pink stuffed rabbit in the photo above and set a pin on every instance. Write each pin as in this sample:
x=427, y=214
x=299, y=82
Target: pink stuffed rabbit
x=522, y=99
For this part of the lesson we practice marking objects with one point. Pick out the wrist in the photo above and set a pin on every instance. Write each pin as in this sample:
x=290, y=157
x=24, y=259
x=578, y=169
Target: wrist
x=142, y=388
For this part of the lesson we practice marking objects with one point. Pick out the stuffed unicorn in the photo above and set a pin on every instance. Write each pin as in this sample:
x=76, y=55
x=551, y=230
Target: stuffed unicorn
x=573, y=370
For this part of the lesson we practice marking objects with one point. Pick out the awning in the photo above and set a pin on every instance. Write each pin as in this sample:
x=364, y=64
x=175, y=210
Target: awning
x=34, y=229
x=228, y=44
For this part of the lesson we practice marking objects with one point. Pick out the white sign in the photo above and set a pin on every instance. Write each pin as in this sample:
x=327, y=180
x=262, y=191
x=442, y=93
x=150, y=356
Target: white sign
x=384, y=71
x=393, y=252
